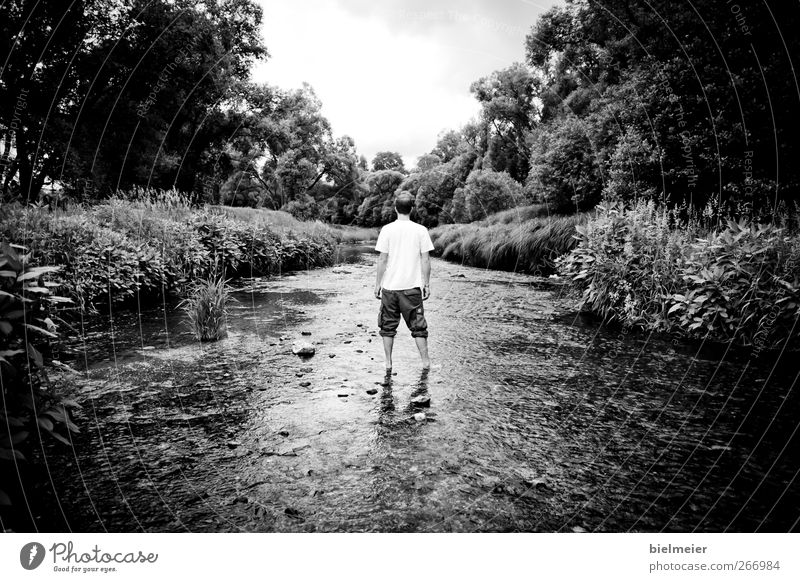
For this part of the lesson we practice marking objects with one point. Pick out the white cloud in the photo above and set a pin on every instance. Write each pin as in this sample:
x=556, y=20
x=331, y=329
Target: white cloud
x=390, y=87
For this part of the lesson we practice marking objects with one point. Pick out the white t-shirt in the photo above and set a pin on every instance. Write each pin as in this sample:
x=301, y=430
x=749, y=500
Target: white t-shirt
x=404, y=240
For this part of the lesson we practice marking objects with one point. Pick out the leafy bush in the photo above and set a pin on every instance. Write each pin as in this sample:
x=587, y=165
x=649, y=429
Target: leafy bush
x=30, y=403
x=645, y=267
x=155, y=245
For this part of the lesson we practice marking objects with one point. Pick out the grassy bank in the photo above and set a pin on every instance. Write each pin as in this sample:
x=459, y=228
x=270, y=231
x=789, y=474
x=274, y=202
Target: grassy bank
x=522, y=239
x=647, y=267
x=123, y=248
x=280, y=221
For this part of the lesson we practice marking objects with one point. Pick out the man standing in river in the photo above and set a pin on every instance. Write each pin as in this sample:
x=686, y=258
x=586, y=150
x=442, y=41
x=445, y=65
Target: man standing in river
x=404, y=279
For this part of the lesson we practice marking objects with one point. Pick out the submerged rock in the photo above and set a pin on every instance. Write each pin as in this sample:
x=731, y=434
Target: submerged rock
x=301, y=348
x=419, y=417
x=372, y=391
x=421, y=400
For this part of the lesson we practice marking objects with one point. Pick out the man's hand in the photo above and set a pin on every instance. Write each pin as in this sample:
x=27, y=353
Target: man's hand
x=377, y=291
x=426, y=291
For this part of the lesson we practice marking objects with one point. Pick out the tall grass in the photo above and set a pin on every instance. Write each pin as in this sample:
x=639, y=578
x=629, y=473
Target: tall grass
x=515, y=240
x=206, y=308
x=283, y=221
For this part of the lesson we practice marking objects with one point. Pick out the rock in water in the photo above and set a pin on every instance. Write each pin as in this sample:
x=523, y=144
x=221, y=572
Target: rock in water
x=372, y=391
x=422, y=400
x=301, y=348
x=419, y=417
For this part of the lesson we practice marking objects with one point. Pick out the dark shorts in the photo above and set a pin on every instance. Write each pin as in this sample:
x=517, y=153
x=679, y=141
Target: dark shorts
x=407, y=303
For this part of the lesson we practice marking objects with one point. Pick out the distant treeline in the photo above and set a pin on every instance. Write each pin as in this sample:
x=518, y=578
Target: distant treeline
x=622, y=100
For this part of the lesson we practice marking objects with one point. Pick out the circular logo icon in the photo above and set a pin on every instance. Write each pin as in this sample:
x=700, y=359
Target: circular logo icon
x=31, y=555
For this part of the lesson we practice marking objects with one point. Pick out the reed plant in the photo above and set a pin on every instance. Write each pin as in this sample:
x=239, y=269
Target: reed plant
x=206, y=308
x=509, y=240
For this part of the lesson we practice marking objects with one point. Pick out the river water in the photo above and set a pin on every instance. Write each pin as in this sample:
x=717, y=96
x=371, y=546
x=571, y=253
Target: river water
x=539, y=419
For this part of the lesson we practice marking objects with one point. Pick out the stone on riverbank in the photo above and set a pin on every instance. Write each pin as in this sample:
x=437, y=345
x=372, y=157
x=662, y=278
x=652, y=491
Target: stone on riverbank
x=301, y=348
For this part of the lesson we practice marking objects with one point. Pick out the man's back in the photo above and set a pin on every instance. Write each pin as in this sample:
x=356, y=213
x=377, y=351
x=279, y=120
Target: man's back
x=404, y=241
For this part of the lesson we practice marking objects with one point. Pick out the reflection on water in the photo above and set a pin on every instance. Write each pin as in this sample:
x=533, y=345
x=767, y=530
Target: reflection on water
x=534, y=420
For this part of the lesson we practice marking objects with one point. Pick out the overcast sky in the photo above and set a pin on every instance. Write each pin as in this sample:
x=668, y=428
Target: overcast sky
x=392, y=74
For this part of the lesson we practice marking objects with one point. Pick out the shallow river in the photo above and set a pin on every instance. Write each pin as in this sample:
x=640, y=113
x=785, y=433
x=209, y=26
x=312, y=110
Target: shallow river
x=539, y=419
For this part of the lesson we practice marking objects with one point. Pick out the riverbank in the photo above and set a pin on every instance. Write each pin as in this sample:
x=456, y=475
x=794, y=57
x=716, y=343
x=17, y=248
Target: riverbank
x=123, y=250
x=523, y=239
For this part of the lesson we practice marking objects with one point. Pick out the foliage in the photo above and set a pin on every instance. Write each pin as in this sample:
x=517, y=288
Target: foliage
x=31, y=405
x=378, y=207
x=146, y=99
x=527, y=244
x=646, y=267
x=388, y=161
x=564, y=171
x=486, y=192
x=509, y=113
x=685, y=81
x=123, y=249
x=206, y=308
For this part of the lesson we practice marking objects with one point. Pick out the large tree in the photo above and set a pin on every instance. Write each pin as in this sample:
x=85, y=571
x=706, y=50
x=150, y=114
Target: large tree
x=388, y=161
x=707, y=85
x=102, y=94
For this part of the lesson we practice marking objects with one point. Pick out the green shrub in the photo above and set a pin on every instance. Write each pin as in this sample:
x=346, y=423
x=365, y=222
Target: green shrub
x=646, y=267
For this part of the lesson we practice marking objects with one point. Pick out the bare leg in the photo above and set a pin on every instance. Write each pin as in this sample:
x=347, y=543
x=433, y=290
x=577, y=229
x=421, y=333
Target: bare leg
x=388, y=344
x=422, y=346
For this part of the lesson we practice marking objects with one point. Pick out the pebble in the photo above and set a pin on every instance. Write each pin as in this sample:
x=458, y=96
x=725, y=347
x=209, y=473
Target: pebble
x=305, y=333
x=331, y=355
x=372, y=390
x=305, y=384
x=342, y=395
x=300, y=348
x=419, y=417
x=421, y=400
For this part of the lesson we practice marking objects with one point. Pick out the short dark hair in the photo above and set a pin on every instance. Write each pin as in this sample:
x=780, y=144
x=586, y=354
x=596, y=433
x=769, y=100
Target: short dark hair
x=404, y=203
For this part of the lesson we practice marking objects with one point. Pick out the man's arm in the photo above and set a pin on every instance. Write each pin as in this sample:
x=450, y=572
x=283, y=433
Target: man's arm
x=382, y=260
x=426, y=274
